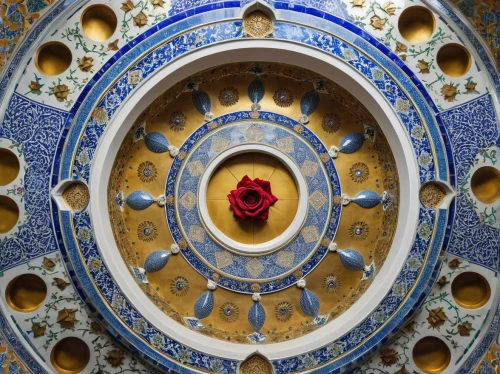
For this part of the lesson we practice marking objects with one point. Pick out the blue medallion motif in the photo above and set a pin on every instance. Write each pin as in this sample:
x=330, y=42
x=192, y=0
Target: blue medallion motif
x=367, y=199
x=202, y=102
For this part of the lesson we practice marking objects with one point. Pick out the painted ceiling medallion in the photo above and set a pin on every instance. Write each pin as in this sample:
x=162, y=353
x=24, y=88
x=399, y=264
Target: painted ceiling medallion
x=119, y=146
x=247, y=262
x=258, y=24
x=283, y=97
x=229, y=96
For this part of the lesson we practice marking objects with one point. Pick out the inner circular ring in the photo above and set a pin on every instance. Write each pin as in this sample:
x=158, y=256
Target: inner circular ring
x=271, y=245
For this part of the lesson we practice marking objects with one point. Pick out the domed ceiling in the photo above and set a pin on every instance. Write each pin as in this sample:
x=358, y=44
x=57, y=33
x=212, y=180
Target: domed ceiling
x=249, y=187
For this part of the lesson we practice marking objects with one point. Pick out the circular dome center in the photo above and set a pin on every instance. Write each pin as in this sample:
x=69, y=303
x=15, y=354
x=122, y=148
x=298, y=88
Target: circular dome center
x=280, y=214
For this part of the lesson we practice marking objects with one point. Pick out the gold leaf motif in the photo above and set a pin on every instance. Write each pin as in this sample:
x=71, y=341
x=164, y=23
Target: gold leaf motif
x=258, y=24
x=66, y=318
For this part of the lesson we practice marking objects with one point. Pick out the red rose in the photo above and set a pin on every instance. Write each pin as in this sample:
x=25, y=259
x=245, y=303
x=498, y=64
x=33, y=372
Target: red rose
x=252, y=199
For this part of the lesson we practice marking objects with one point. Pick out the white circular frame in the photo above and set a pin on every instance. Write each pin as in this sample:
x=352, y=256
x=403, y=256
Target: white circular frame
x=277, y=51
x=271, y=245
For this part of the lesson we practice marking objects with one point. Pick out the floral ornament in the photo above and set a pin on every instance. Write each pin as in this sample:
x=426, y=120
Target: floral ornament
x=470, y=87
x=390, y=8
x=389, y=357
x=66, y=318
x=147, y=231
x=331, y=123
x=359, y=172
x=332, y=284
x=358, y=231
x=283, y=311
x=229, y=96
x=401, y=48
x=38, y=329
x=61, y=92
x=377, y=22
x=454, y=264
x=115, y=357
x=255, y=287
x=423, y=67
x=113, y=46
x=127, y=6
x=449, y=92
x=157, y=3
x=48, y=264
x=86, y=64
x=100, y=115
x=60, y=283
x=358, y=3
x=443, y=281
x=465, y=328
x=252, y=199
x=177, y=121
x=179, y=286
x=140, y=20
x=96, y=327
x=147, y=172
x=283, y=97
x=35, y=86
x=436, y=318
x=229, y=312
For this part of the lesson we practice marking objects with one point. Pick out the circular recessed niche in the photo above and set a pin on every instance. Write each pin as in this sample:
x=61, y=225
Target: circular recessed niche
x=76, y=196
x=9, y=166
x=53, y=58
x=99, y=22
x=454, y=60
x=254, y=165
x=70, y=355
x=26, y=292
x=291, y=176
x=485, y=184
x=416, y=24
x=9, y=211
x=470, y=290
x=431, y=355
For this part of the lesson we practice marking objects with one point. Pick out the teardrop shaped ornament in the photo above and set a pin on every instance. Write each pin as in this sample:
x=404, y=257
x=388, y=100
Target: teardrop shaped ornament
x=156, y=142
x=204, y=305
x=140, y=200
x=156, y=261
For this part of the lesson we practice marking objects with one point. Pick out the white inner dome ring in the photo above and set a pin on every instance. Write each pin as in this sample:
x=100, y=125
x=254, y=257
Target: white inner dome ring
x=271, y=245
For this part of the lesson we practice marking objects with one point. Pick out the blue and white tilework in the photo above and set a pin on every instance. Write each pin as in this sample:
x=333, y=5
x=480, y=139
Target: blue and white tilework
x=471, y=128
x=36, y=128
x=233, y=128
x=471, y=238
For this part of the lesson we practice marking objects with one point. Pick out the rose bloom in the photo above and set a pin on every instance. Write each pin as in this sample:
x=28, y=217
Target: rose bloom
x=252, y=199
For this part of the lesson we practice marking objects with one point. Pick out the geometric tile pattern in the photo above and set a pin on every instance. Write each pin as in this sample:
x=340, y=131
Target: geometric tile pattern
x=309, y=168
x=254, y=267
x=223, y=259
x=310, y=234
x=285, y=144
x=317, y=200
x=197, y=234
x=285, y=259
x=188, y=201
x=195, y=168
